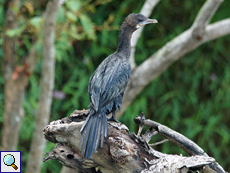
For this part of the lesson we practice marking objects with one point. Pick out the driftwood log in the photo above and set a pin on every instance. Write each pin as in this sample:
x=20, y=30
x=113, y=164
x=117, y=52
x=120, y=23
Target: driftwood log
x=123, y=151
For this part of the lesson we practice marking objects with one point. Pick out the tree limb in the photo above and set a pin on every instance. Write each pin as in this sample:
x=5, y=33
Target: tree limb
x=146, y=10
x=47, y=83
x=173, y=50
x=206, y=13
x=32, y=58
x=213, y=31
x=122, y=152
x=203, y=18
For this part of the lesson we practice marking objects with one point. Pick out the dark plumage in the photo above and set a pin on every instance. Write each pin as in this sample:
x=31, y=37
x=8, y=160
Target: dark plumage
x=107, y=85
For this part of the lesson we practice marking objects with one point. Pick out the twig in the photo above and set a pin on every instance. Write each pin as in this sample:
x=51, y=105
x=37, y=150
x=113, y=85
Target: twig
x=149, y=133
x=139, y=130
x=142, y=116
x=158, y=143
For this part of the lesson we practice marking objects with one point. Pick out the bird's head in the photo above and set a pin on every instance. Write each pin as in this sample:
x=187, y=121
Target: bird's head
x=136, y=21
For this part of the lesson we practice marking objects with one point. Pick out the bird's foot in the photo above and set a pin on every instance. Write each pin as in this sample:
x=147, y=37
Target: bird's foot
x=113, y=119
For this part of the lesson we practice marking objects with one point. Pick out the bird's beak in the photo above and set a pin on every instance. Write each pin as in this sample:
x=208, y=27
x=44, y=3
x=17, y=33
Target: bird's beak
x=148, y=22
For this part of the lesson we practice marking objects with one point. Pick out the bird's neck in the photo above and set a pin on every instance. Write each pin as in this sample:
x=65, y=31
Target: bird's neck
x=124, y=45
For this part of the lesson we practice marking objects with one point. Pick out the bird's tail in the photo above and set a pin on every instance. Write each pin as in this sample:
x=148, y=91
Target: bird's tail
x=93, y=130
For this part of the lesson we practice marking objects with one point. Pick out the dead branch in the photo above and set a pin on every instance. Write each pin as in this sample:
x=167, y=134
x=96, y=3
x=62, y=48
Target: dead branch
x=122, y=151
x=180, y=140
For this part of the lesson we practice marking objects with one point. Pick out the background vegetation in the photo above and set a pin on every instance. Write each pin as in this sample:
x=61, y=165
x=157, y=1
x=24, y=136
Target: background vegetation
x=191, y=97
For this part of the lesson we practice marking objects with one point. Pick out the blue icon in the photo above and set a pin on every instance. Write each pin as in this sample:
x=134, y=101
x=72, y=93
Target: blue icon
x=9, y=160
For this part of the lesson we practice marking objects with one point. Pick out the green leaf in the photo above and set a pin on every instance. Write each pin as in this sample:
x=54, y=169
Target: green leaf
x=73, y=5
x=15, y=32
x=61, y=15
x=71, y=16
x=36, y=21
x=88, y=26
x=1, y=41
x=12, y=32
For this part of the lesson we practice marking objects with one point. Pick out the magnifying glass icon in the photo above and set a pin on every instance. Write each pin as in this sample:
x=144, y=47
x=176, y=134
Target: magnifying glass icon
x=9, y=160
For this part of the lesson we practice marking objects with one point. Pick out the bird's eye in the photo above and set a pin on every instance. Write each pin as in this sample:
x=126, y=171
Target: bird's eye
x=140, y=20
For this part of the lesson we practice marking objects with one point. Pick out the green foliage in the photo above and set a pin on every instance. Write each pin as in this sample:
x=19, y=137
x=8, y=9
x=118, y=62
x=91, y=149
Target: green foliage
x=191, y=96
x=14, y=32
x=36, y=22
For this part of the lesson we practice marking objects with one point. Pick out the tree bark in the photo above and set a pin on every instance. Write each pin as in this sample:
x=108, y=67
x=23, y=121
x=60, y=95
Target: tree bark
x=122, y=151
x=16, y=79
x=38, y=144
x=199, y=33
x=13, y=111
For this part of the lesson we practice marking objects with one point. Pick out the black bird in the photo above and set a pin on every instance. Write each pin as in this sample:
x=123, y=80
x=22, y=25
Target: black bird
x=107, y=85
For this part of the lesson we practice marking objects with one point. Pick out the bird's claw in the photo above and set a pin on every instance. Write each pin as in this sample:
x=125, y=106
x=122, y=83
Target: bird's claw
x=113, y=119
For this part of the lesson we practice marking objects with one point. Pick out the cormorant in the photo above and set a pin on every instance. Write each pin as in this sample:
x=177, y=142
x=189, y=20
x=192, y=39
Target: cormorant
x=107, y=85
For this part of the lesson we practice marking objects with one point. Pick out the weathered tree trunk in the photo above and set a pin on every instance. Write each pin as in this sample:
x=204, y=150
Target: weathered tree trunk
x=16, y=80
x=13, y=105
x=38, y=144
x=122, y=151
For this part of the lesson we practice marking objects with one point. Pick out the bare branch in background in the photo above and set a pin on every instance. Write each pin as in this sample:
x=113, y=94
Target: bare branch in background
x=32, y=59
x=205, y=15
x=213, y=31
x=38, y=144
x=146, y=10
x=175, y=49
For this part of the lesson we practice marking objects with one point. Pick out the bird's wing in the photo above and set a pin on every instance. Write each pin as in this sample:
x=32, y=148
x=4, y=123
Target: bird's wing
x=108, y=82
